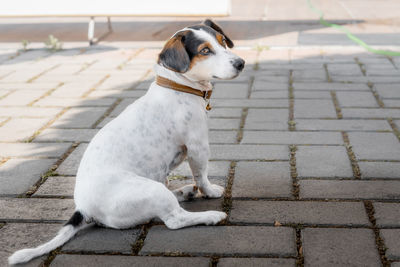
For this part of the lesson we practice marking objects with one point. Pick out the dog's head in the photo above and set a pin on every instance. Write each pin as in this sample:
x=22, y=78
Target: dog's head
x=200, y=52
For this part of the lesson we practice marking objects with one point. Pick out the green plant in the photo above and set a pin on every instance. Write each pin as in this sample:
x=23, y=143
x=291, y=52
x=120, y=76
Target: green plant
x=53, y=44
x=25, y=44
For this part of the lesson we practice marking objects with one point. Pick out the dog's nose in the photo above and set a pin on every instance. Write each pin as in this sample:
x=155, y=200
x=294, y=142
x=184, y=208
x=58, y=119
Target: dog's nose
x=239, y=64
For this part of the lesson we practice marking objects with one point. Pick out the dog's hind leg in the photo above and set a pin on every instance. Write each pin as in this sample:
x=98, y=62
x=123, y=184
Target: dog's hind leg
x=180, y=218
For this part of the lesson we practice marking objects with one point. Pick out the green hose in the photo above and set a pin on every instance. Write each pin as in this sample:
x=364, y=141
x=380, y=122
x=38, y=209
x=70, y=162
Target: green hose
x=350, y=35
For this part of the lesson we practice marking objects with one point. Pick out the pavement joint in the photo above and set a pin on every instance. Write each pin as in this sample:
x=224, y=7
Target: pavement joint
x=352, y=156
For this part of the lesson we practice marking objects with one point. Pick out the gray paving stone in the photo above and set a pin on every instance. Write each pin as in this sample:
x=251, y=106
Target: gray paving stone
x=79, y=117
x=125, y=261
x=20, y=129
x=58, y=186
x=36, y=209
x=230, y=90
x=315, y=138
x=342, y=125
x=121, y=106
x=379, y=169
x=265, y=85
x=266, y=125
x=73, y=102
x=255, y=103
x=66, y=135
x=350, y=189
x=387, y=214
x=18, y=175
x=375, y=146
x=70, y=165
x=223, y=124
x=249, y=152
x=48, y=150
x=117, y=93
x=306, y=75
x=388, y=90
x=322, y=109
x=330, y=86
x=202, y=204
x=339, y=247
x=270, y=94
x=262, y=179
x=75, y=88
x=379, y=113
x=267, y=115
x=215, y=168
x=323, y=161
x=102, y=240
x=104, y=122
x=299, y=212
x=312, y=94
x=225, y=112
x=222, y=137
x=272, y=78
x=256, y=262
x=356, y=99
x=391, y=103
x=21, y=97
x=350, y=79
x=344, y=69
x=15, y=236
x=254, y=240
x=391, y=238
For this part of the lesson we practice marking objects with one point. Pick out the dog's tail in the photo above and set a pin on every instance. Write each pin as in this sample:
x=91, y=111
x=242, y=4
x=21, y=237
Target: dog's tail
x=74, y=224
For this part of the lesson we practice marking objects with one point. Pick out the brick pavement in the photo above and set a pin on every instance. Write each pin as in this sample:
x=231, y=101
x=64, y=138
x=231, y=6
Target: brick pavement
x=306, y=143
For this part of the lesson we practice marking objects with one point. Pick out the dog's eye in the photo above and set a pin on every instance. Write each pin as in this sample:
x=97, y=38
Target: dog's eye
x=205, y=51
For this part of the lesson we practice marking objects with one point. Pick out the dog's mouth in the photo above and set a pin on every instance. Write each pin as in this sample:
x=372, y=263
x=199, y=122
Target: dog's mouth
x=230, y=78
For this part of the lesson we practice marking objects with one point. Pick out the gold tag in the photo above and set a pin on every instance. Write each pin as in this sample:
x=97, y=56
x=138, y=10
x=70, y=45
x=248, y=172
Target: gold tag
x=208, y=107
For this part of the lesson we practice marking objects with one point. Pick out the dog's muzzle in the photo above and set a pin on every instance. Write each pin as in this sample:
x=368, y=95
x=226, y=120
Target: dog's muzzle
x=238, y=64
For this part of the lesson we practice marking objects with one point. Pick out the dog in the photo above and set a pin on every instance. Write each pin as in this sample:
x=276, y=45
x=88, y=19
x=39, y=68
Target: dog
x=122, y=177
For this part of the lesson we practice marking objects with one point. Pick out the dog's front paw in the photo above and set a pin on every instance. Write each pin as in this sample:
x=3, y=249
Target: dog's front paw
x=215, y=217
x=213, y=191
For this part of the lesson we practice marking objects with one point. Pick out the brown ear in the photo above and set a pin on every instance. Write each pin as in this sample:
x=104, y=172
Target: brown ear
x=211, y=24
x=174, y=55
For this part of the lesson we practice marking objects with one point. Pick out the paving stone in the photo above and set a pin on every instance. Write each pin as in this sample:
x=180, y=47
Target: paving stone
x=230, y=90
x=20, y=129
x=391, y=103
x=387, y=90
x=349, y=189
x=316, y=138
x=387, y=214
x=330, y=86
x=215, y=168
x=121, y=106
x=202, y=204
x=312, y=94
x=306, y=75
x=225, y=112
x=58, y=186
x=222, y=137
x=74, y=89
x=74, y=102
x=18, y=175
x=117, y=93
x=249, y=152
x=323, y=161
x=395, y=264
x=125, y=261
x=260, y=103
x=342, y=125
x=28, y=111
x=339, y=247
x=304, y=108
x=264, y=125
x=66, y=135
x=384, y=79
x=350, y=79
x=20, y=98
x=272, y=79
x=269, y=94
x=254, y=240
x=379, y=169
x=262, y=179
x=36, y=209
x=223, y=124
x=299, y=212
x=265, y=85
x=70, y=165
x=15, y=236
x=102, y=240
x=48, y=150
x=79, y=117
x=391, y=239
x=356, y=99
x=344, y=69
x=375, y=146
x=267, y=115
x=371, y=113
x=256, y=262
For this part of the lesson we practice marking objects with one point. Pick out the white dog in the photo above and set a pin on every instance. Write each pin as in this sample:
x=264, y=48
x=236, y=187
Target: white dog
x=121, y=178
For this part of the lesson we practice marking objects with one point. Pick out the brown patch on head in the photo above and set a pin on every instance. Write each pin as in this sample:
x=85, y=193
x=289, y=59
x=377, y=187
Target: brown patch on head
x=174, y=55
x=199, y=56
x=221, y=40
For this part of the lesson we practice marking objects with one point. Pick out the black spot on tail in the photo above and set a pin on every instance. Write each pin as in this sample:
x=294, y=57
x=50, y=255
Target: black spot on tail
x=76, y=219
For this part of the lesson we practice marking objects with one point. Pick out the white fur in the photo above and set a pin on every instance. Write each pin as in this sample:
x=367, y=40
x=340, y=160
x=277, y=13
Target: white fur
x=120, y=181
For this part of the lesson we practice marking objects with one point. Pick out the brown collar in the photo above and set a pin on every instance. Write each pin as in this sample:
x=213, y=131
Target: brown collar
x=164, y=82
